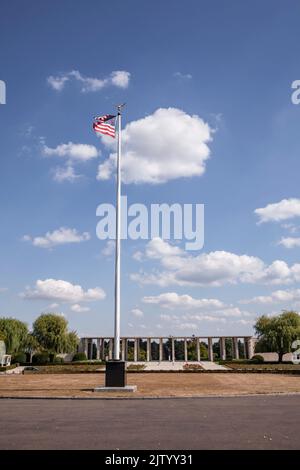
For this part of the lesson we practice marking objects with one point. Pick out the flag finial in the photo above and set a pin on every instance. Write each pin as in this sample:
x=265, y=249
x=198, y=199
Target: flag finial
x=120, y=106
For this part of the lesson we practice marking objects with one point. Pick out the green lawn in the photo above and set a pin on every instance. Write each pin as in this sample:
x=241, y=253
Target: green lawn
x=272, y=366
x=66, y=369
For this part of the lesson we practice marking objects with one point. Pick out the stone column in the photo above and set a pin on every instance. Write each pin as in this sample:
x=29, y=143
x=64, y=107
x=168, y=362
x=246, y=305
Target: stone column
x=245, y=349
x=185, y=350
x=173, y=349
x=198, y=349
x=98, y=349
x=236, y=354
x=249, y=348
x=210, y=349
x=102, y=355
x=148, y=349
x=135, y=351
x=90, y=349
x=222, y=349
x=85, y=346
x=110, y=349
x=123, y=354
x=160, y=349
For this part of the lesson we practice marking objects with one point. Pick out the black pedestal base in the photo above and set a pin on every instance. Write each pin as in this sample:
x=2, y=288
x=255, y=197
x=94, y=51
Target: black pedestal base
x=115, y=375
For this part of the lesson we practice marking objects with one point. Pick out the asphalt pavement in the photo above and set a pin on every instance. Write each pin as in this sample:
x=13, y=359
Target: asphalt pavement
x=257, y=422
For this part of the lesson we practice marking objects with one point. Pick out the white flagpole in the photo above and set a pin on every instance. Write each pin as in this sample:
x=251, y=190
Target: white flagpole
x=116, y=355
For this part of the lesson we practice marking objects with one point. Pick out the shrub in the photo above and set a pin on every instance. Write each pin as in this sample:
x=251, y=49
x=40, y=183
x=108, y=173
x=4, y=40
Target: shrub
x=19, y=357
x=41, y=358
x=58, y=360
x=136, y=367
x=5, y=368
x=192, y=367
x=257, y=359
x=79, y=357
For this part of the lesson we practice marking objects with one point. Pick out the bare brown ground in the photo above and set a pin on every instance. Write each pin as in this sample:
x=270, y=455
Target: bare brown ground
x=149, y=385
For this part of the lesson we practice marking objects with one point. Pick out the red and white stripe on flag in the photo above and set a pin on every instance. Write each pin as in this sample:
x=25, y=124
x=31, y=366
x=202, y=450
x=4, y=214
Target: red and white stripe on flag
x=102, y=126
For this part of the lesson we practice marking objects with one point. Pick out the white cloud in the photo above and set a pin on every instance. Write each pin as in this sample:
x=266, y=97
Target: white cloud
x=118, y=78
x=165, y=317
x=242, y=321
x=53, y=306
x=183, y=76
x=61, y=174
x=62, y=236
x=137, y=312
x=290, y=242
x=187, y=326
x=164, y=146
x=3, y=289
x=138, y=256
x=109, y=248
x=209, y=310
x=195, y=321
x=212, y=269
x=172, y=300
x=89, y=83
x=79, y=309
x=62, y=291
x=72, y=152
x=276, y=297
x=57, y=83
x=292, y=228
x=205, y=318
x=283, y=210
x=156, y=248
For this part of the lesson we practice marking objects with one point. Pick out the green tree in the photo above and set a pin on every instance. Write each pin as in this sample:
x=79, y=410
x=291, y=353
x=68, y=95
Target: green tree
x=51, y=332
x=14, y=333
x=72, y=342
x=276, y=334
x=192, y=350
x=31, y=346
x=203, y=350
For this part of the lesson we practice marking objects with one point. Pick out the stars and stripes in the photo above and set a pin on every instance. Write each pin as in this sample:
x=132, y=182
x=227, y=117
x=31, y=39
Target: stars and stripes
x=102, y=125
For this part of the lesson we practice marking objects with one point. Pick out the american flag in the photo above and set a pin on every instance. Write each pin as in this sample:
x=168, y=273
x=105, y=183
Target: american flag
x=102, y=125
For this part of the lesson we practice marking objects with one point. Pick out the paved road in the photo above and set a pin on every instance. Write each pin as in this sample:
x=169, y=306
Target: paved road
x=205, y=423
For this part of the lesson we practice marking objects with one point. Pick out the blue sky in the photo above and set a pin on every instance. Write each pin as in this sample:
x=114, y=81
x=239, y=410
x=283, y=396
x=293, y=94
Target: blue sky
x=225, y=65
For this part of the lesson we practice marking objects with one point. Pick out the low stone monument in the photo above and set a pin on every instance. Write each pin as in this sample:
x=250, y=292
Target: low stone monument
x=2, y=350
x=4, y=358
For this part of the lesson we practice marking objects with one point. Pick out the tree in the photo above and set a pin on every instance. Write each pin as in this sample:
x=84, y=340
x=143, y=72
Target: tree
x=14, y=333
x=228, y=348
x=51, y=332
x=31, y=346
x=276, y=334
x=203, y=350
x=72, y=342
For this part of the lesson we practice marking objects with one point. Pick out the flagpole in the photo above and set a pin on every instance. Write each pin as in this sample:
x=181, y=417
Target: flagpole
x=115, y=370
x=116, y=354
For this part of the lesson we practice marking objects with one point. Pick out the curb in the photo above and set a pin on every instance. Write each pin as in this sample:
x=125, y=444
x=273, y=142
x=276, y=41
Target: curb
x=195, y=397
